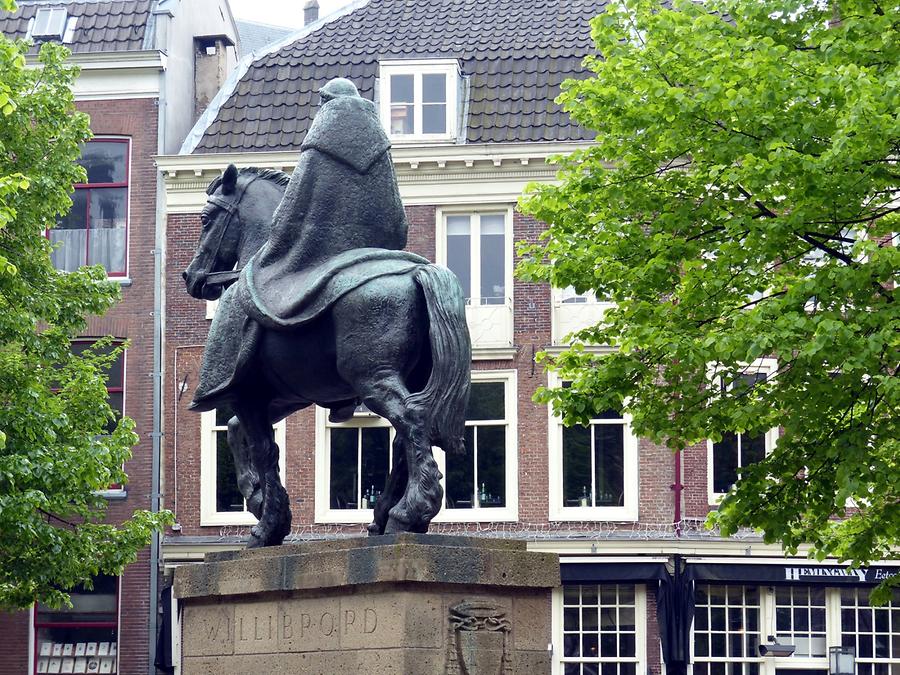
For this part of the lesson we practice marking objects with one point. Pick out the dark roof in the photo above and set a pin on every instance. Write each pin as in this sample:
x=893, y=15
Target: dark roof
x=255, y=36
x=515, y=52
x=102, y=26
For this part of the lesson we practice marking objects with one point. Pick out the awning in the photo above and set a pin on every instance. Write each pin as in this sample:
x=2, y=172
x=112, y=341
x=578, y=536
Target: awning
x=789, y=572
x=600, y=572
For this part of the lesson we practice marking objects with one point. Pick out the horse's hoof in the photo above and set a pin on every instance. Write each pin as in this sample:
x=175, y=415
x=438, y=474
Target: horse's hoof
x=374, y=529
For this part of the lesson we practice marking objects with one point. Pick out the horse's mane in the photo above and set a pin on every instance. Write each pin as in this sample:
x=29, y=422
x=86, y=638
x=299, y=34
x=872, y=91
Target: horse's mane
x=271, y=175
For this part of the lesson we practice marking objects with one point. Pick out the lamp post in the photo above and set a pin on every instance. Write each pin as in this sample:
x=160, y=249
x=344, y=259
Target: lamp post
x=842, y=660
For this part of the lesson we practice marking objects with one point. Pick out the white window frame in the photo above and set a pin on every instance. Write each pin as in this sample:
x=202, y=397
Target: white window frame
x=323, y=511
x=510, y=512
x=640, y=626
x=417, y=68
x=208, y=473
x=558, y=511
x=768, y=366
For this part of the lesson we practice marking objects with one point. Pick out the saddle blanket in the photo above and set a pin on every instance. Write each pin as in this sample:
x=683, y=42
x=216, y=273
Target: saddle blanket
x=305, y=296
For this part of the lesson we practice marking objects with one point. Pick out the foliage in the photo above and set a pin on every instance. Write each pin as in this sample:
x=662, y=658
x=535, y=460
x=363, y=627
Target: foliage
x=55, y=454
x=740, y=201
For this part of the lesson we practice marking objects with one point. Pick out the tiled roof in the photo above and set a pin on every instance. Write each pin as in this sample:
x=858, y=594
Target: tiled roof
x=102, y=26
x=516, y=53
x=255, y=36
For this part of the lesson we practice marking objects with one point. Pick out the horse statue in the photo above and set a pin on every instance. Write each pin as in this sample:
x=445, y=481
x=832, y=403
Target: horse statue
x=397, y=343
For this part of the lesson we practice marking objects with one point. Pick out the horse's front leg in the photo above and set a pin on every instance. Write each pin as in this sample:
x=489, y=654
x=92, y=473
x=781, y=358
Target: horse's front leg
x=247, y=477
x=275, y=517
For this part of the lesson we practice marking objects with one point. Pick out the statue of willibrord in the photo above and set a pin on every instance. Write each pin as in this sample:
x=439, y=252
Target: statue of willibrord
x=323, y=307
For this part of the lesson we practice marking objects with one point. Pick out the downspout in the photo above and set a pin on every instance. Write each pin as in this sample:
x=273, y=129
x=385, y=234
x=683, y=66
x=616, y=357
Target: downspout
x=677, y=489
x=157, y=374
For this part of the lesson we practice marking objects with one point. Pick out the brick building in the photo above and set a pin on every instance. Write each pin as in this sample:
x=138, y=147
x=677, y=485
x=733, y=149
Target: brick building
x=142, y=64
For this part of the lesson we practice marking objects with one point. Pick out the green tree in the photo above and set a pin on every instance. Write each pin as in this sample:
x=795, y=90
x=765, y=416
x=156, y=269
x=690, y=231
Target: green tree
x=55, y=450
x=740, y=201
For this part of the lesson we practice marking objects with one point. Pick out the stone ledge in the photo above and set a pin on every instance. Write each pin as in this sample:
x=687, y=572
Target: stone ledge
x=429, y=559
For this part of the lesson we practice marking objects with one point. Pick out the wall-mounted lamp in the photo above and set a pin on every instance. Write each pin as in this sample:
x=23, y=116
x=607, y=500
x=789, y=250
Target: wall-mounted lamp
x=842, y=660
x=776, y=649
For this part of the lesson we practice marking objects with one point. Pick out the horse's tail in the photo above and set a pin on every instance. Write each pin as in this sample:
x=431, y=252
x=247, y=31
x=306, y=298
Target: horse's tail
x=446, y=393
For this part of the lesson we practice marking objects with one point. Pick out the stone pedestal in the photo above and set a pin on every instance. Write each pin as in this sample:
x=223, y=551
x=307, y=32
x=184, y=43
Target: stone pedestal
x=408, y=604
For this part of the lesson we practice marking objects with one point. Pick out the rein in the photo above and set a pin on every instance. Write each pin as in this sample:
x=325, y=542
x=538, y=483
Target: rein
x=230, y=206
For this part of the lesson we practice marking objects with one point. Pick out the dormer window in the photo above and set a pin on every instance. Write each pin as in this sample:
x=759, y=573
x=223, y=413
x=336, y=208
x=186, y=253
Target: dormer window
x=419, y=99
x=49, y=22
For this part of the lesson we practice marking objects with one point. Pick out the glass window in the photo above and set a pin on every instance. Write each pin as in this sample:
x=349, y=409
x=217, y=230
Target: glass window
x=873, y=631
x=83, y=638
x=115, y=379
x=359, y=466
x=594, y=462
x=600, y=630
x=477, y=254
x=419, y=99
x=403, y=109
x=477, y=479
x=95, y=229
x=434, y=103
x=736, y=450
x=800, y=619
x=726, y=630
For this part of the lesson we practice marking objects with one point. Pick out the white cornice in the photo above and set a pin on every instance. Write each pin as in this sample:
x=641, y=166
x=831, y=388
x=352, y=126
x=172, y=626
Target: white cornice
x=113, y=60
x=434, y=174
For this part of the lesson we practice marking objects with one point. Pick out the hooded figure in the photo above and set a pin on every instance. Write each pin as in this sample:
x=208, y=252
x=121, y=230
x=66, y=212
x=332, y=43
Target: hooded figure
x=342, y=195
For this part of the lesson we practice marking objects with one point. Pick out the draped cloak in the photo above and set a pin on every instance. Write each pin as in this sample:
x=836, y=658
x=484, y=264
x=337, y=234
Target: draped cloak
x=343, y=195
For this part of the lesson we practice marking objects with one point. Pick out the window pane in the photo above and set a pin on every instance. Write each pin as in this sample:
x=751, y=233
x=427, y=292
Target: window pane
x=576, y=466
x=609, y=446
x=71, y=235
x=486, y=401
x=403, y=119
x=228, y=496
x=376, y=449
x=116, y=402
x=223, y=414
x=94, y=605
x=402, y=89
x=459, y=251
x=106, y=236
x=434, y=88
x=493, y=268
x=461, y=475
x=492, y=466
x=753, y=449
x=343, y=468
x=725, y=462
x=104, y=161
x=434, y=118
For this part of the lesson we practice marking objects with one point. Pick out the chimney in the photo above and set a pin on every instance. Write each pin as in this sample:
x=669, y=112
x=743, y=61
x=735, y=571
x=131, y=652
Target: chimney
x=210, y=68
x=310, y=12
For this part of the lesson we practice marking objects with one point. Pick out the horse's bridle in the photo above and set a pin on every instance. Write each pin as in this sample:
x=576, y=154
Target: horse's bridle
x=230, y=206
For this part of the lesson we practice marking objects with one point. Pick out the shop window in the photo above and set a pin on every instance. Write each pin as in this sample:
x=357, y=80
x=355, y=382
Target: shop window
x=736, y=450
x=82, y=638
x=873, y=631
x=221, y=501
x=602, y=630
x=727, y=630
x=800, y=619
x=482, y=483
x=593, y=469
x=418, y=99
x=95, y=231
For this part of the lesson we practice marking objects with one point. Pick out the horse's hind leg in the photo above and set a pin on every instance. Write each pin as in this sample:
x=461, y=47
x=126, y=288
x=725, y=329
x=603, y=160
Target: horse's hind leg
x=385, y=394
x=275, y=519
x=393, y=489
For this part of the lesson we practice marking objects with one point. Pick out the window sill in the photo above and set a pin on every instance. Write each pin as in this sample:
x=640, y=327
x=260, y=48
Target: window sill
x=227, y=518
x=122, y=281
x=114, y=495
x=619, y=514
x=423, y=140
x=364, y=516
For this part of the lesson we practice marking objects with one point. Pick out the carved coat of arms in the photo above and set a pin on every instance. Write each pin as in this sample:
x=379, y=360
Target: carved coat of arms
x=479, y=639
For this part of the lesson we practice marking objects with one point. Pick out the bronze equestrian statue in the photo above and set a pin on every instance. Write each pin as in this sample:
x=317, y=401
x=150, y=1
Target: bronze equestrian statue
x=324, y=308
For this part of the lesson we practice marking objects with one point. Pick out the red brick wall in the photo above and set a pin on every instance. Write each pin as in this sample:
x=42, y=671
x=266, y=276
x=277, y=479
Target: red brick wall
x=14, y=629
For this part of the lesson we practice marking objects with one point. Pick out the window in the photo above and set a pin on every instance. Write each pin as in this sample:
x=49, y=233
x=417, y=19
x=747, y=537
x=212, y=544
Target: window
x=573, y=311
x=476, y=244
x=873, y=631
x=221, y=502
x=48, y=22
x=115, y=378
x=354, y=458
x=482, y=484
x=593, y=469
x=83, y=638
x=736, y=450
x=727, y=630
x=95, y=229
x=601, y=631
x=418, y=99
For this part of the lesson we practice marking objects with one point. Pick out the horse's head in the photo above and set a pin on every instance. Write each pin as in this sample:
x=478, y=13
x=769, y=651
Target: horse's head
x=235, y=222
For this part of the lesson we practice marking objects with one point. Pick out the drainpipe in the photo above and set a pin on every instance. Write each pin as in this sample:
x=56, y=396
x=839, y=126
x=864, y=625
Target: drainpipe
x=677, y=488
x=157, y=374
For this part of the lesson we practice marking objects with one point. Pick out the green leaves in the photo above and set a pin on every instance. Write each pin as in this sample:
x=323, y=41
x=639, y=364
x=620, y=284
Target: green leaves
x=56, y=454
x=740, y=202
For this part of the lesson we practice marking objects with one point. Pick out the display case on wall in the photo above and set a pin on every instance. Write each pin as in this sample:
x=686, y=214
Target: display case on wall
x=82, y=638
